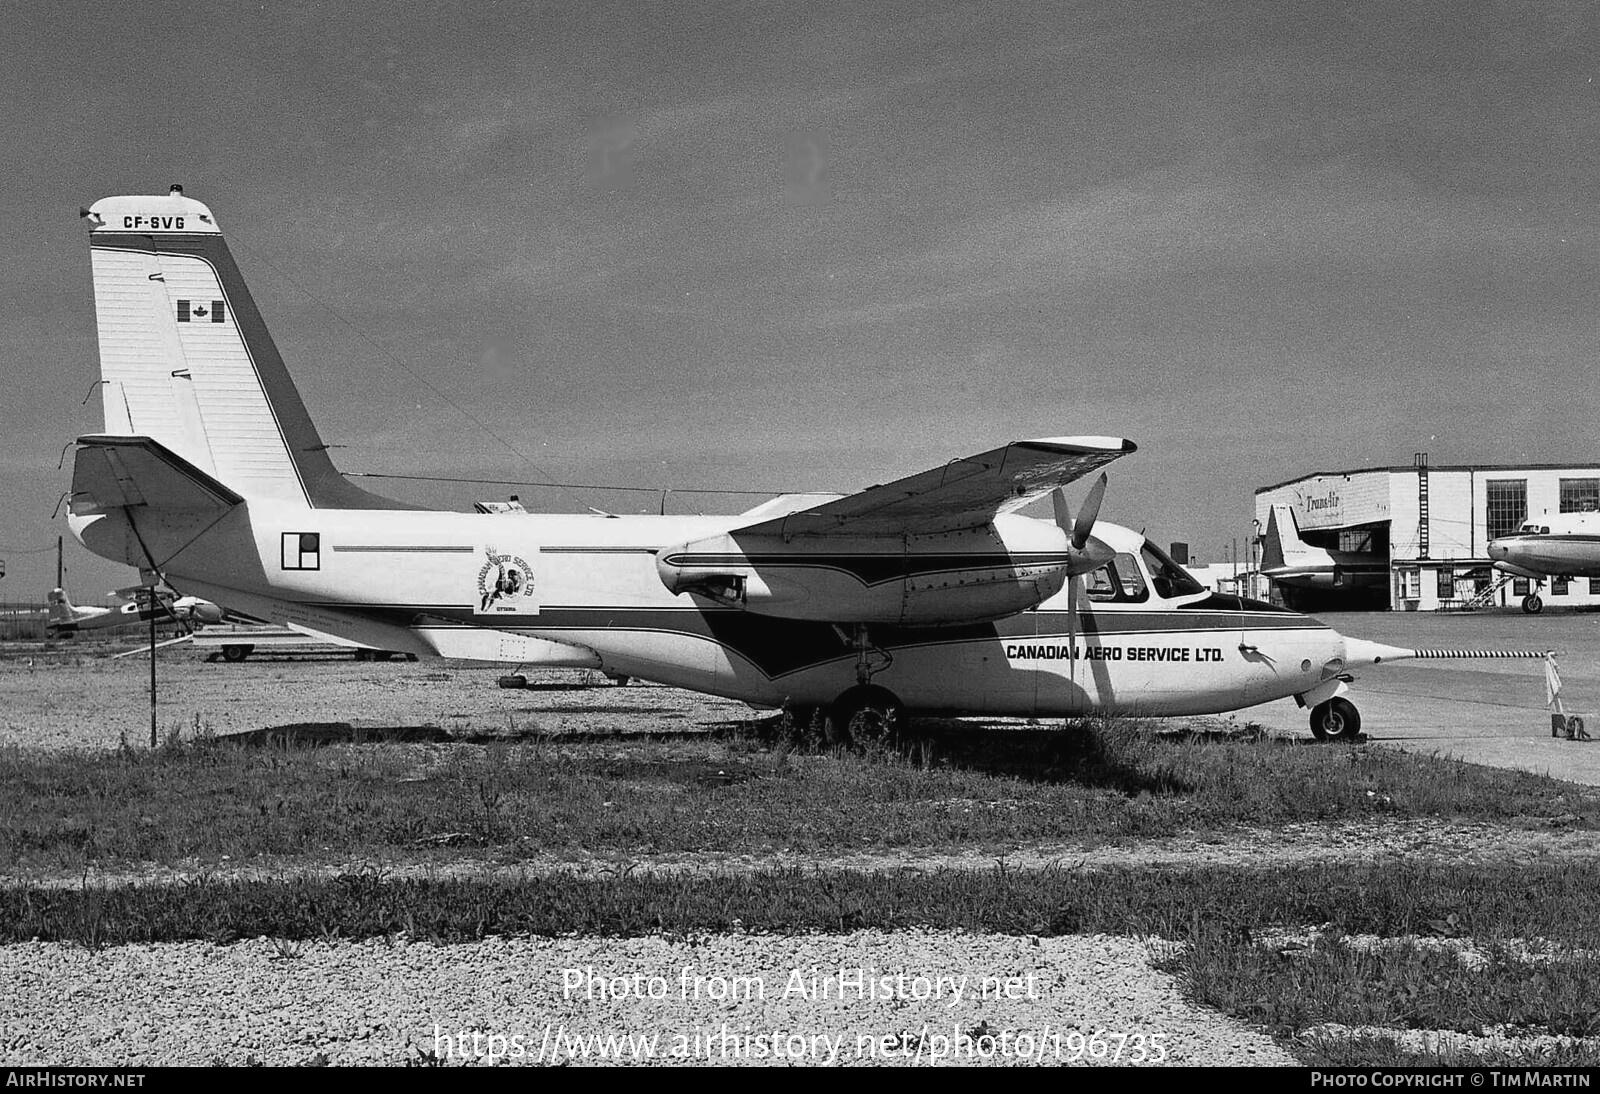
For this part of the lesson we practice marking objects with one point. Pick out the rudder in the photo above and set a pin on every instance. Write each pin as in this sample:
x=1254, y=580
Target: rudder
x=187, y=361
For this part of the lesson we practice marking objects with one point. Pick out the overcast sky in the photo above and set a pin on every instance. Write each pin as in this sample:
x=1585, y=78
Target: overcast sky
x=814, y=246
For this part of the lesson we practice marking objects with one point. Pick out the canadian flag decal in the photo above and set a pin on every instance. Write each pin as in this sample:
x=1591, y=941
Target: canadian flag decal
x=198, y=311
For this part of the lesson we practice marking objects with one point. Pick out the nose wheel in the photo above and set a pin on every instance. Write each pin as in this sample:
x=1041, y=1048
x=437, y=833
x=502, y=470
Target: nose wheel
x=1533, y=604
x=1335, y=720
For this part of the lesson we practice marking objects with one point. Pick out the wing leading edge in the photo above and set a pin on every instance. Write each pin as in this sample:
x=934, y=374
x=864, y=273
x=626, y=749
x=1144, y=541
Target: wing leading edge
x=964, y=493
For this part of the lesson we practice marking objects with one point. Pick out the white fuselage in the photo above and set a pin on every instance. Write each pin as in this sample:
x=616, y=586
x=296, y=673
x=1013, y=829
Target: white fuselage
x=587, y=590
x=1565, y=545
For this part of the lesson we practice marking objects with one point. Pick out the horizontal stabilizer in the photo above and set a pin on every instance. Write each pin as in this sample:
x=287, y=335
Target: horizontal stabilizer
x=115, y=472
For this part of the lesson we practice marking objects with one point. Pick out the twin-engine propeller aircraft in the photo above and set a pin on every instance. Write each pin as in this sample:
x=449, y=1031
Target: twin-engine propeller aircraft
x=931, y=594
x=65, y=617
x=1563, y=545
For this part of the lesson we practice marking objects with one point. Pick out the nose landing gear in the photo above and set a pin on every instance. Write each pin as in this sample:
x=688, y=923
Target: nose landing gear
x=1335, y=719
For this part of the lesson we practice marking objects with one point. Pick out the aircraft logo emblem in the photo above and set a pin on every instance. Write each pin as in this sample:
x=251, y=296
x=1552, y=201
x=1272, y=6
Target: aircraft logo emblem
x=505, y=583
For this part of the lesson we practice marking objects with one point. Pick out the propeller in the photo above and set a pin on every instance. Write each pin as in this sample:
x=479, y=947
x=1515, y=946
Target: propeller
x=1085, y=554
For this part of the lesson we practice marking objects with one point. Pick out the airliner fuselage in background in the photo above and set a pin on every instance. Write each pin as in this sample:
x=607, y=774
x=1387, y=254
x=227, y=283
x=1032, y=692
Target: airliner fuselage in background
x=1563, y=545
x=928, y=594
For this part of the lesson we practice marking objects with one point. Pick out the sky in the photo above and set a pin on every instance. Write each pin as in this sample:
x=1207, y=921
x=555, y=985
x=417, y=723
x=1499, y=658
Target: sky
x=815, y=246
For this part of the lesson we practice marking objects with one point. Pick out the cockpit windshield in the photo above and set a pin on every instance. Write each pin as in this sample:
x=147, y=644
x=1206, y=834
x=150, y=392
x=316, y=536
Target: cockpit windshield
x=1535, y=530
x=1167, y=578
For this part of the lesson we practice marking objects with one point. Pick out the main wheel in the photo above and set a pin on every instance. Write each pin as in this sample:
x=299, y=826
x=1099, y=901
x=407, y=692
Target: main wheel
x=1532, y=604
x=1335, y=720
x=865, y=713
x=235, y=654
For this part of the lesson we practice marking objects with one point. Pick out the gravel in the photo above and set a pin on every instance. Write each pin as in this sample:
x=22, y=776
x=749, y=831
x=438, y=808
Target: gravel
x=391, y=1002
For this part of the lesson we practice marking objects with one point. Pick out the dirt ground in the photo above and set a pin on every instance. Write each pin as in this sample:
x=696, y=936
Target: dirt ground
x=84, y=699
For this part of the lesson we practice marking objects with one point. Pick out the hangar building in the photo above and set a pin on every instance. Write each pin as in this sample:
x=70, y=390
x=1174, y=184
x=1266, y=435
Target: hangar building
x=1432, y=526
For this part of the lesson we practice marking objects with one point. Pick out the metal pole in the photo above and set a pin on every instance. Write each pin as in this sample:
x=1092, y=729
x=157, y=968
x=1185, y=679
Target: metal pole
x=152, y=670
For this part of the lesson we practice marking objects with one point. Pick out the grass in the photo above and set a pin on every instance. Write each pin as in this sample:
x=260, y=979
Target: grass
x=203, y=800
x=1216, y=915
x=755, y=791
x=1209, y=909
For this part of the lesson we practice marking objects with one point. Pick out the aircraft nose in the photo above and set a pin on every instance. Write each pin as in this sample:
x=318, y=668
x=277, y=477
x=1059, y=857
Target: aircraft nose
x=1497, y=550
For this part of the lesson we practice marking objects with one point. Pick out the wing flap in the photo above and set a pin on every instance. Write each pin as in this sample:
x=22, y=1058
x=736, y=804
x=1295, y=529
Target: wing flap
x=964, y=493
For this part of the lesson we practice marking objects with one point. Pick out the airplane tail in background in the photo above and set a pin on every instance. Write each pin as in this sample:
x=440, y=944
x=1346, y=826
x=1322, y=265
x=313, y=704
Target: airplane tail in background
x=60, y=608
x=187, y=361
x=1281, y=543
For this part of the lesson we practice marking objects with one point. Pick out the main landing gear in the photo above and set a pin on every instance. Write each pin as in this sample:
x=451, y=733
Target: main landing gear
x=866, y=712
x=1335, y=720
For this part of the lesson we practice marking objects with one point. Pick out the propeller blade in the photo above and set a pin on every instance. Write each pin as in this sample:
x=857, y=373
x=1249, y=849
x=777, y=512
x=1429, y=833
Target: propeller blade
x=1088, y=514
x=1072, y=628
x=1058, y=500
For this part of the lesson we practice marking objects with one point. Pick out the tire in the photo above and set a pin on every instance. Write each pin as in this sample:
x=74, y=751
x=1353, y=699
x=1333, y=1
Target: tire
x=234, y=654
x=864, y=714
x=1533, y=604
x=1335, y=720
x=381, y=655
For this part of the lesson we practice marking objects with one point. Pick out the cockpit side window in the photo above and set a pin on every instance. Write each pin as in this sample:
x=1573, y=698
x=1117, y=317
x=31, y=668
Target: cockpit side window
x=1118, y=581
x=1168, y=578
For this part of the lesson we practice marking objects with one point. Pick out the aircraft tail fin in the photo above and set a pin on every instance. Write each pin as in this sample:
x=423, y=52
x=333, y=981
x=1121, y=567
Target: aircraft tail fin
x=187, y=361
x=60, y=607
x=1282, y=540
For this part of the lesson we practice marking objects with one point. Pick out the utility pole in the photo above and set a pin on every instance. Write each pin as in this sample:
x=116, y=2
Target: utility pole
x=152, y=669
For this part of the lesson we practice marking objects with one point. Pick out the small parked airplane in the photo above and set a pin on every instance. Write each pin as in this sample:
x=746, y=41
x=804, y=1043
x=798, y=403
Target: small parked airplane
x=930, y=594
x=1563, y=545
x=1295, y=565
x=67, y=618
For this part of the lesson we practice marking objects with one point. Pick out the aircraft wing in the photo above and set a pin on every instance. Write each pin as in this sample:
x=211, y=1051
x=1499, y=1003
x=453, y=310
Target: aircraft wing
x=964, y=493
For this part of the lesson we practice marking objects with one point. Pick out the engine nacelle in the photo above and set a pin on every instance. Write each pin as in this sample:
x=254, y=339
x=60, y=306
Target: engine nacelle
x=968, y=576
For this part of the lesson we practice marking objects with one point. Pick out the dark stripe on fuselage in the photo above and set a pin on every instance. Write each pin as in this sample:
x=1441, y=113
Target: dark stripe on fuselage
x=402, y=550
x=325, y=488
x=876, y=568
x=781, y=646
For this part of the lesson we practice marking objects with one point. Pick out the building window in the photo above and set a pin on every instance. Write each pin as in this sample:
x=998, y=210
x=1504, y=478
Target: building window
x=1519, y=586
x=1447, y=583
x=302, y=551
x=1410, y=583
x=1558, y=586
x=1507, y=505
x=1580, y=495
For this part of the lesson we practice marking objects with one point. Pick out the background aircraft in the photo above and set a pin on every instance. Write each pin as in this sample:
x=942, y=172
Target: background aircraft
x=1301, y=570
x=928, y=594
x=1563, y=545
x=66, y=617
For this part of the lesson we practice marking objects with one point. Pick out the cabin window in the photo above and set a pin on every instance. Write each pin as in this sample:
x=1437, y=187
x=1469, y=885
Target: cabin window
x=1580, y=495
x=302, y=551
x=1119, y=581
x=1506, y=505
x=1167, y=578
